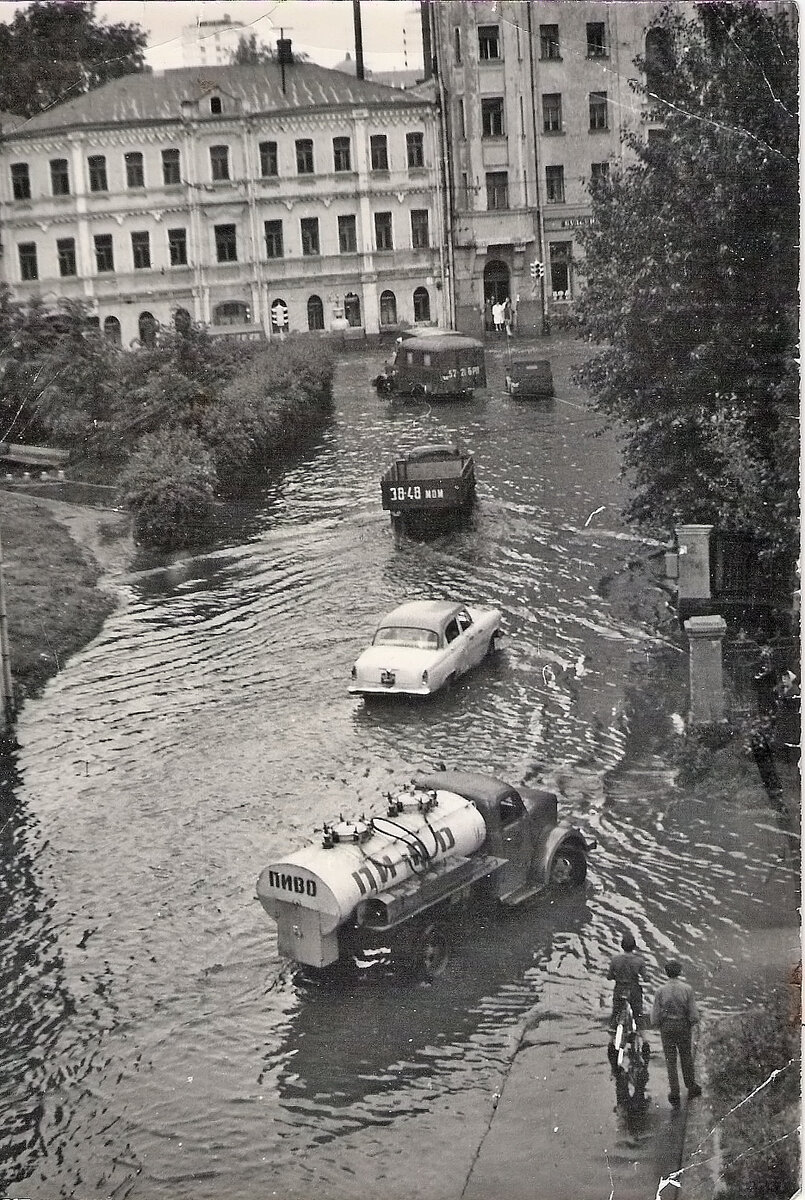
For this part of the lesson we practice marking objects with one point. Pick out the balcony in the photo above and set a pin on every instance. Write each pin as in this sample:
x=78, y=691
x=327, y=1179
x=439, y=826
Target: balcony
x=495, y=227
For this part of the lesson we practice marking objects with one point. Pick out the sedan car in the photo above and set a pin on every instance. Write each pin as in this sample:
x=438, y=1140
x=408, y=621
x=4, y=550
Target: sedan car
x=425, y=645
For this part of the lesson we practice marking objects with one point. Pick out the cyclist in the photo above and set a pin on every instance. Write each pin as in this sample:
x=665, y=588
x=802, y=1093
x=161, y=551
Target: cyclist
x=625, y=969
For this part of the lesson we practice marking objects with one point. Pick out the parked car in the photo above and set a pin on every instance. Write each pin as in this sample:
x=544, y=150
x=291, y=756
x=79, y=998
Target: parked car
x=425, y=645
x=530, y=378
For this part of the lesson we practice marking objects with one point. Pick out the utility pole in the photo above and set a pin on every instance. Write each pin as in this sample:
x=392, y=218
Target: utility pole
x=6, y=682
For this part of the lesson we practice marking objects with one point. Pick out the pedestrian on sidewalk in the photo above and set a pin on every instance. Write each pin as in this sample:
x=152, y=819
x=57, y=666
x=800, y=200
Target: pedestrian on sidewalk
x=675, y=1014
x=625, y=969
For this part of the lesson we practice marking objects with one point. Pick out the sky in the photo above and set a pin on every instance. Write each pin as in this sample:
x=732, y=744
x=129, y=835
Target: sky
x=321, y=28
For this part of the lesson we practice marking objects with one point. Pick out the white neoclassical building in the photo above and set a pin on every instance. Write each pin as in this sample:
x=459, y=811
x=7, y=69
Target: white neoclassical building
x=255, y=199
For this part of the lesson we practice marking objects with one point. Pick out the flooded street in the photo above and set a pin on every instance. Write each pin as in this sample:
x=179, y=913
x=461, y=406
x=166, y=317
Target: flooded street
x=153, y=1044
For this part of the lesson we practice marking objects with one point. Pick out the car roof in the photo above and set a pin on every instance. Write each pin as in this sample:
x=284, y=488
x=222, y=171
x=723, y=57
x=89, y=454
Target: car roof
x=422, y=614
x=443, y=341
x=485, y=791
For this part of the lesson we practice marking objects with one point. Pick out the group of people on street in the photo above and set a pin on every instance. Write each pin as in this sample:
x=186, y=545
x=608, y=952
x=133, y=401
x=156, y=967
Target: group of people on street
x=674, y=1013
x=502, y=315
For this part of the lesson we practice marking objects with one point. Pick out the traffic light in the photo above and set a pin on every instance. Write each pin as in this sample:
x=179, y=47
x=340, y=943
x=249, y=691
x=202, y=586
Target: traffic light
x=537, y=269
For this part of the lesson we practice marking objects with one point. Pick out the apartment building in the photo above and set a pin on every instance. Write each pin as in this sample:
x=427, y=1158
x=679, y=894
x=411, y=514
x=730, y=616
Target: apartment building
x=536, y=100
x=257, y=199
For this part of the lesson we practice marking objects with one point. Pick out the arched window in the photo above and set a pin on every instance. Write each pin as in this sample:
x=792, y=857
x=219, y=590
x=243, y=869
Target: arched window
x=315, y=313
x=181, y=320
x=421, y=304
x=147, y=327
x=232, y=312
x=388, y=308
x=111, y=329
x=279, y=316
x=352, y=309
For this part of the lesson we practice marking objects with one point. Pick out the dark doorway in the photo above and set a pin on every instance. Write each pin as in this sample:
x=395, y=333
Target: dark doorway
x=497, y=284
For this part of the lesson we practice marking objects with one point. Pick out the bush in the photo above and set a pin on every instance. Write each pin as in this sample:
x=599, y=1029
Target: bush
x=760, y=1143
x=169, y=486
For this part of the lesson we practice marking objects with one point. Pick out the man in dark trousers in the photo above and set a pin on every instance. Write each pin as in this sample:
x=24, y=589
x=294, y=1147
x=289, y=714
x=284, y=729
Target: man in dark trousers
x=625, y=969
x=674, y=1013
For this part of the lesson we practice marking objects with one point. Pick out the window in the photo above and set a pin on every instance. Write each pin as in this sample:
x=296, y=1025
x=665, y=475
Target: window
x=268, y=159
x=561, y=258
x=177, y=247
x=141, y=251
x=552, y=112
x=488, y=42
x=598, y=110
x=415, y=148
x=379, y=151
x=599, y=172
x=549, y=41
x=226, y=243
x=461, y=123
x=304, y=156
x=171, y=167
x=492, y=117
x=341, y=155
x=421, y=304
x=457, y=46
x=147, y=328
x=97, y=173
x=352, y=310
x=182, y=322
x=420, y=233
x=28, y=264
x=497, y=189
x=219, y=162
x=555, y=184
x=310, y=235
x=383, y=234
x=216, y=105
x=20, y=181
x=104, y=254
x=111, y=330
x=596, y=39
x=274, y=244
x=135, y=174
x=59, y=177
x=65, y=252
x=347, y=237
x=388, y=308
x=232, y=312
x=315, y=313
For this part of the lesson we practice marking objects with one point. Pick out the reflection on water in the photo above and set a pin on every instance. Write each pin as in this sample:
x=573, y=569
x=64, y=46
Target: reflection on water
x=154, y=1044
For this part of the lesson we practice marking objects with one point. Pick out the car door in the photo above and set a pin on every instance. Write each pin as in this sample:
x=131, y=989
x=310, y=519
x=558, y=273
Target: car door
x=454, y=649
x=472, y=642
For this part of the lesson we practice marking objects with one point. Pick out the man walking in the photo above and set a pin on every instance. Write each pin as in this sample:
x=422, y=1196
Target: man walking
x=674, y=1013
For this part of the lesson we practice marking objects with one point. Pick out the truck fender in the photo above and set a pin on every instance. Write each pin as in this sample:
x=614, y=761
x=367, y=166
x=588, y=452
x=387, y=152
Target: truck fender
x=558, y=838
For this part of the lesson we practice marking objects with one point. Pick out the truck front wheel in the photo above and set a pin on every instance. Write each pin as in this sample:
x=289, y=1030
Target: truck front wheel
x=568, y=868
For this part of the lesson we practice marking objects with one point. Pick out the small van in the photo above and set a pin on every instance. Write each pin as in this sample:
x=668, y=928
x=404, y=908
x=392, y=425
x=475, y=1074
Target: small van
x=530, y=378
x=436, y=364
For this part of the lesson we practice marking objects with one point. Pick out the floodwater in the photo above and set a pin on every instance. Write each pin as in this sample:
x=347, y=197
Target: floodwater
x=152, y=1043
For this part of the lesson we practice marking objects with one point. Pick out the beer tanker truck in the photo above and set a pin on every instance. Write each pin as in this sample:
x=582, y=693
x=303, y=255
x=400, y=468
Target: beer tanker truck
x=389, y=886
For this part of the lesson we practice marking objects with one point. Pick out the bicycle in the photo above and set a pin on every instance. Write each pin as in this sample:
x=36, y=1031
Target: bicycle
x=629, y=1056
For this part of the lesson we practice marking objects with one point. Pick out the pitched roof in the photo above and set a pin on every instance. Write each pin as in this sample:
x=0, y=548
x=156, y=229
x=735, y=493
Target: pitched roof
x=145, y=97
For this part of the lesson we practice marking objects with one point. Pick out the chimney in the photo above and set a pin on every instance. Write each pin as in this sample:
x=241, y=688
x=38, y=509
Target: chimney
x=427, y=46
x=356, y=17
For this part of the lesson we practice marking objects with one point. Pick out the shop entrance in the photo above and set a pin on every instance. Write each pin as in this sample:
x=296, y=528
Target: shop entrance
x=497, y=286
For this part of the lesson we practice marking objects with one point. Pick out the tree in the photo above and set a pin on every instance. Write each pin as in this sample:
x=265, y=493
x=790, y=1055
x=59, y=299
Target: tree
x=55, y=50
x=251, y=53
x=692, y=271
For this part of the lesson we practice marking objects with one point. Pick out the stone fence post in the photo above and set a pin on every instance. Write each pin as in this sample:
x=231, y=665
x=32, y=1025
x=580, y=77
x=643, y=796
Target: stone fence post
x=705, y=635
x=693, y=565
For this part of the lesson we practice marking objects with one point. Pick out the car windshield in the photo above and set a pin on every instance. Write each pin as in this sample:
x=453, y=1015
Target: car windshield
x=402, y=635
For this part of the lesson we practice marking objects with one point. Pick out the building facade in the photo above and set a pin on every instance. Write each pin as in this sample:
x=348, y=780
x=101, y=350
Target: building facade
x=536, y=99
x=258, y=200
